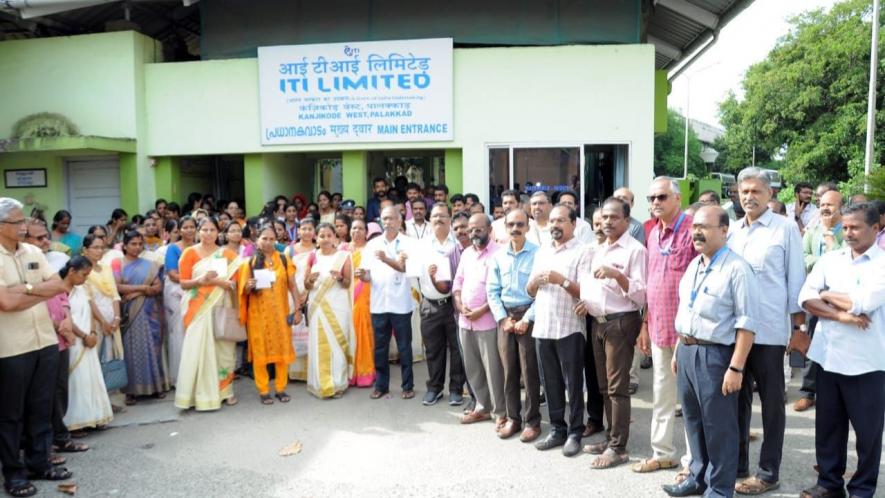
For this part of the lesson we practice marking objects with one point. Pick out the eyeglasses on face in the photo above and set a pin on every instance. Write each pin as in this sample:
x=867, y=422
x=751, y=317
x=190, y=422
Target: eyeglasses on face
x=659, y=198
x=16, y=222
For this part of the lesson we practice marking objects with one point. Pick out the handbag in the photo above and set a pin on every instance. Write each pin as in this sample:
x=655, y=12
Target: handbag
x=226, y=324
x=113, y=370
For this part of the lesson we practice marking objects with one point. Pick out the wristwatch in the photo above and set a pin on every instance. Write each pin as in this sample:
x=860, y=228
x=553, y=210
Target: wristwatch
x=736, y=369
x=566, y=284
x=803, y=328
x=29, y=289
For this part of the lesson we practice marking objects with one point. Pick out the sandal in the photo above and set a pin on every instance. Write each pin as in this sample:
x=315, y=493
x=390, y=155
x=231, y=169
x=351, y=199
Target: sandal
x=53, y=474
x=266, y=399
x=652, y=465
x=283, y=397
x=755, y=486
x=683, y=474
x=231, y=401
x=608, y=459
x=72, y=447
x=408, y=394
x=377, y=394
x=130, y=400
x=20, y=488
x=596, y=448
x=56, y=460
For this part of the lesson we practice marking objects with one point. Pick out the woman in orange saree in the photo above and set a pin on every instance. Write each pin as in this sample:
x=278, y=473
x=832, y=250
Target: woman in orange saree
x=364, y=354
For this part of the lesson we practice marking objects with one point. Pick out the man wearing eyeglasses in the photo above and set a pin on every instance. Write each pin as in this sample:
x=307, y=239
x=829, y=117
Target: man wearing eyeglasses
x=28, y=355
x=669, y=251
x=513, y=309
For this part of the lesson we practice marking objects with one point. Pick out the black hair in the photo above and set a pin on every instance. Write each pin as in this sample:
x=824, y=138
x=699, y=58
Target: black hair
x=625, y=208
x=131, y=235
x=76, y=263
x=150, y=213
x=724, y=220
x=192, y=198
x=328, y=225
x=214, y=221
x=90, y=237
x=442, y=187
x=510, y=193
x=118, y=214
x=137, y=219
x=713, y=193
x=567, y=192
x=413, y=186
x=170, y=225
x=418, y=200
x=325, y=193
x=457, y=198
x=441, y=205
x=186, y=219
x=160, y=201
x=879, y=206
x=869, y=212
x=258, y=262
x=173, y=207
x=379, y=179
x=347, y=221
x=338, y=194
x=572, y=214
x=471, y=196
x=93, y=228
x=459, y=215
x=60, y=215
x=801, y=185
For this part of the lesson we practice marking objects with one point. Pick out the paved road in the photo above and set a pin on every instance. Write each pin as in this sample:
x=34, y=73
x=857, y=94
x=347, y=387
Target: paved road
x=356, y=446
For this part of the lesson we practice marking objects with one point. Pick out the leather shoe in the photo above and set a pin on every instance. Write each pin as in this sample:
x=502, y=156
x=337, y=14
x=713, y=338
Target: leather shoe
x=592, y=428
x=551, y=441
x=572, y=445
x=688, y=487
x=803, y=404
x=509, y=430
x=530, y=433
x=475, y=416
x=500, y=422
x=822, y=492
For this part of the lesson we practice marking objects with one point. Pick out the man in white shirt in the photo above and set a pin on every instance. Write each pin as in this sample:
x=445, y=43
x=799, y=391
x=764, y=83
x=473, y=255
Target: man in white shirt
x=438, y=328
x=846, y=291
x=539, y=232
x=583, y=230
x=391, y=301
x=417, y=227
x=509, y=201
x=802, y=211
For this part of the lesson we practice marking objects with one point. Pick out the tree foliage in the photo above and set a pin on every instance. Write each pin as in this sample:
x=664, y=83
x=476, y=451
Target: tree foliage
x=805, y=104
x=670, y=149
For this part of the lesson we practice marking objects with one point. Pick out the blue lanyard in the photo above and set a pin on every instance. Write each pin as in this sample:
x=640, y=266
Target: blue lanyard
x=695, y=286
x=666, y=251
x=821, y=245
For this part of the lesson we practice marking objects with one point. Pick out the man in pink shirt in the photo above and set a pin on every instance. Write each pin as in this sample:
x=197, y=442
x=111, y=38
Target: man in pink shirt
x=670, y=250
x=613, y=293
x=478, y=329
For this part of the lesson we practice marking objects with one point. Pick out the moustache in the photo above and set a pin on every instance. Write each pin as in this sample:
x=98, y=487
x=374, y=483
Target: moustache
x=555, y=232
x=699, y=238
x=515, y=233
x=826, y=212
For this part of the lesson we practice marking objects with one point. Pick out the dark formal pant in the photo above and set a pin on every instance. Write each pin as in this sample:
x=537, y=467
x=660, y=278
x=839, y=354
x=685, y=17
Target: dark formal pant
x=595, y=402
x=27, y=393
x=60, y=433
x=563, y=361
x=765, y=365
x=384, y=324
x=520, y=361
x=809, y=377
x=440, y=333
x=710, y=418
x=613, y=343
x=844, y=399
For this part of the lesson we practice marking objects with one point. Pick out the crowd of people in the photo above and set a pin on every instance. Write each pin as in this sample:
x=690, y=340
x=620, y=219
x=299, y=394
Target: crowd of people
x=527, y=297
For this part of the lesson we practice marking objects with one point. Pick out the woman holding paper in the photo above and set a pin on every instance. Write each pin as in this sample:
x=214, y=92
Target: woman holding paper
x=206, y=374
x=138, y=282
x=187, y=232
x=364, y=340
x=265, y=283
x=329, y=311
x=299, y=254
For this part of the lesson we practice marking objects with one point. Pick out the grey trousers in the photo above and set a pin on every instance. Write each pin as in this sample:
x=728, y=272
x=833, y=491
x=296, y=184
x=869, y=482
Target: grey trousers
x=484, y=370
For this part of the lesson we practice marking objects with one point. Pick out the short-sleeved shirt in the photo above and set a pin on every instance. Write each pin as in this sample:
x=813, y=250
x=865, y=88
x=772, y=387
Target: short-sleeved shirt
x=670, y=250
x=555, y=316
x=725, y=299
x=470, y=282
x=30, y=329
x=772, y=246
x=391, y=290
x=433, y=251
x=605, y=295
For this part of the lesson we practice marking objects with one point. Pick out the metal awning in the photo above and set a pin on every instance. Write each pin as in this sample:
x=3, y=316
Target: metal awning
x=681, y=30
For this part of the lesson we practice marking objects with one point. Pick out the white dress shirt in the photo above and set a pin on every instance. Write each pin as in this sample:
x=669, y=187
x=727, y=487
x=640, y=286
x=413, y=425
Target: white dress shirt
x=431, y=252
x=840, y=348
x=418, y=232
x=391, y=290
x=809, y=214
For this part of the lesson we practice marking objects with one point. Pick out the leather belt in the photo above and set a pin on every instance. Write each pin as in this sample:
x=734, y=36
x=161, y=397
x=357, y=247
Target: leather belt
x=613, y=316
x=518, y=309
x=438, y=302
x=693, y=341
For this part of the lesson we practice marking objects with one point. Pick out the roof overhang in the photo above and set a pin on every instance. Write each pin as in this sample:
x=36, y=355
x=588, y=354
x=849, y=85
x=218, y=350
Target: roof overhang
x=62, y=144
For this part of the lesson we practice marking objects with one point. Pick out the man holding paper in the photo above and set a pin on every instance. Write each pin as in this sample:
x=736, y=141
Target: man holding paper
x=513, y=309
x=613, y=293
x=438, y=328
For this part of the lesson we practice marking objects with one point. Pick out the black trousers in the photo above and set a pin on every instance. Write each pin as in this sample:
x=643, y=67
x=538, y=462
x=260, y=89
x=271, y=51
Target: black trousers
x=563, y=361
x=710, y=418
x=60, y=432
x=595, y=401
x=809, y=378
x=440, y=333
x=765, y=364
x=27, y=393
x=860, y=401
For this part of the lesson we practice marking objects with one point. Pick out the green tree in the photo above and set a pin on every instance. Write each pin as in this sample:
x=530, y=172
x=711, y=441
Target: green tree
x=806, y=102
x=670, y=149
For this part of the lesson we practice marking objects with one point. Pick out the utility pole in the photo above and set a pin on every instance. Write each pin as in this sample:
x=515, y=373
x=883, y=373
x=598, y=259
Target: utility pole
x=871, y=98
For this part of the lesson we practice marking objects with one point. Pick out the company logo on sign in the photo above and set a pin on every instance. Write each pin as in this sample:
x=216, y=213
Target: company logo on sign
x=396, y=91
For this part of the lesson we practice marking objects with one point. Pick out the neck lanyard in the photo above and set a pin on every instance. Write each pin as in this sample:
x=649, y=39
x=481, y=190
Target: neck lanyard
x=695, y=285
x=423, y=229
x=666, y=250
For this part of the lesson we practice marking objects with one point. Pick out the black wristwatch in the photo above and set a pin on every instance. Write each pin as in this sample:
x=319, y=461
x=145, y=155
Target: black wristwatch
x=736, y=369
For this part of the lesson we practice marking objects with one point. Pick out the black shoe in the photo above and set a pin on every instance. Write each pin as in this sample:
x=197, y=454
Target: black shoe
x=688, y=487
x=822, y=492
x=542, y=400
x=572, y=445
x=431, y=398
x=552, y=440
x=456, y=399
x=645, y=362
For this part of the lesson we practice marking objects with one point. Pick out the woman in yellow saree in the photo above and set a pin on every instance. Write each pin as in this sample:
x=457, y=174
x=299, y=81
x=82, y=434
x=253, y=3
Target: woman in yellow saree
x=330, y=344
x=364, y=339
x=206, y=374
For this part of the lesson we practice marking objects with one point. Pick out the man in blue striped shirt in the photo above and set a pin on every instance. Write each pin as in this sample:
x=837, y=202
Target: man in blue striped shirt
x=513, y=309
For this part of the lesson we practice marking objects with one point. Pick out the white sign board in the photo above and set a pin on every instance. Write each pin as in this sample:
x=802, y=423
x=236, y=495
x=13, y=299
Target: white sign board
x=389, y=91
x=22, y=178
